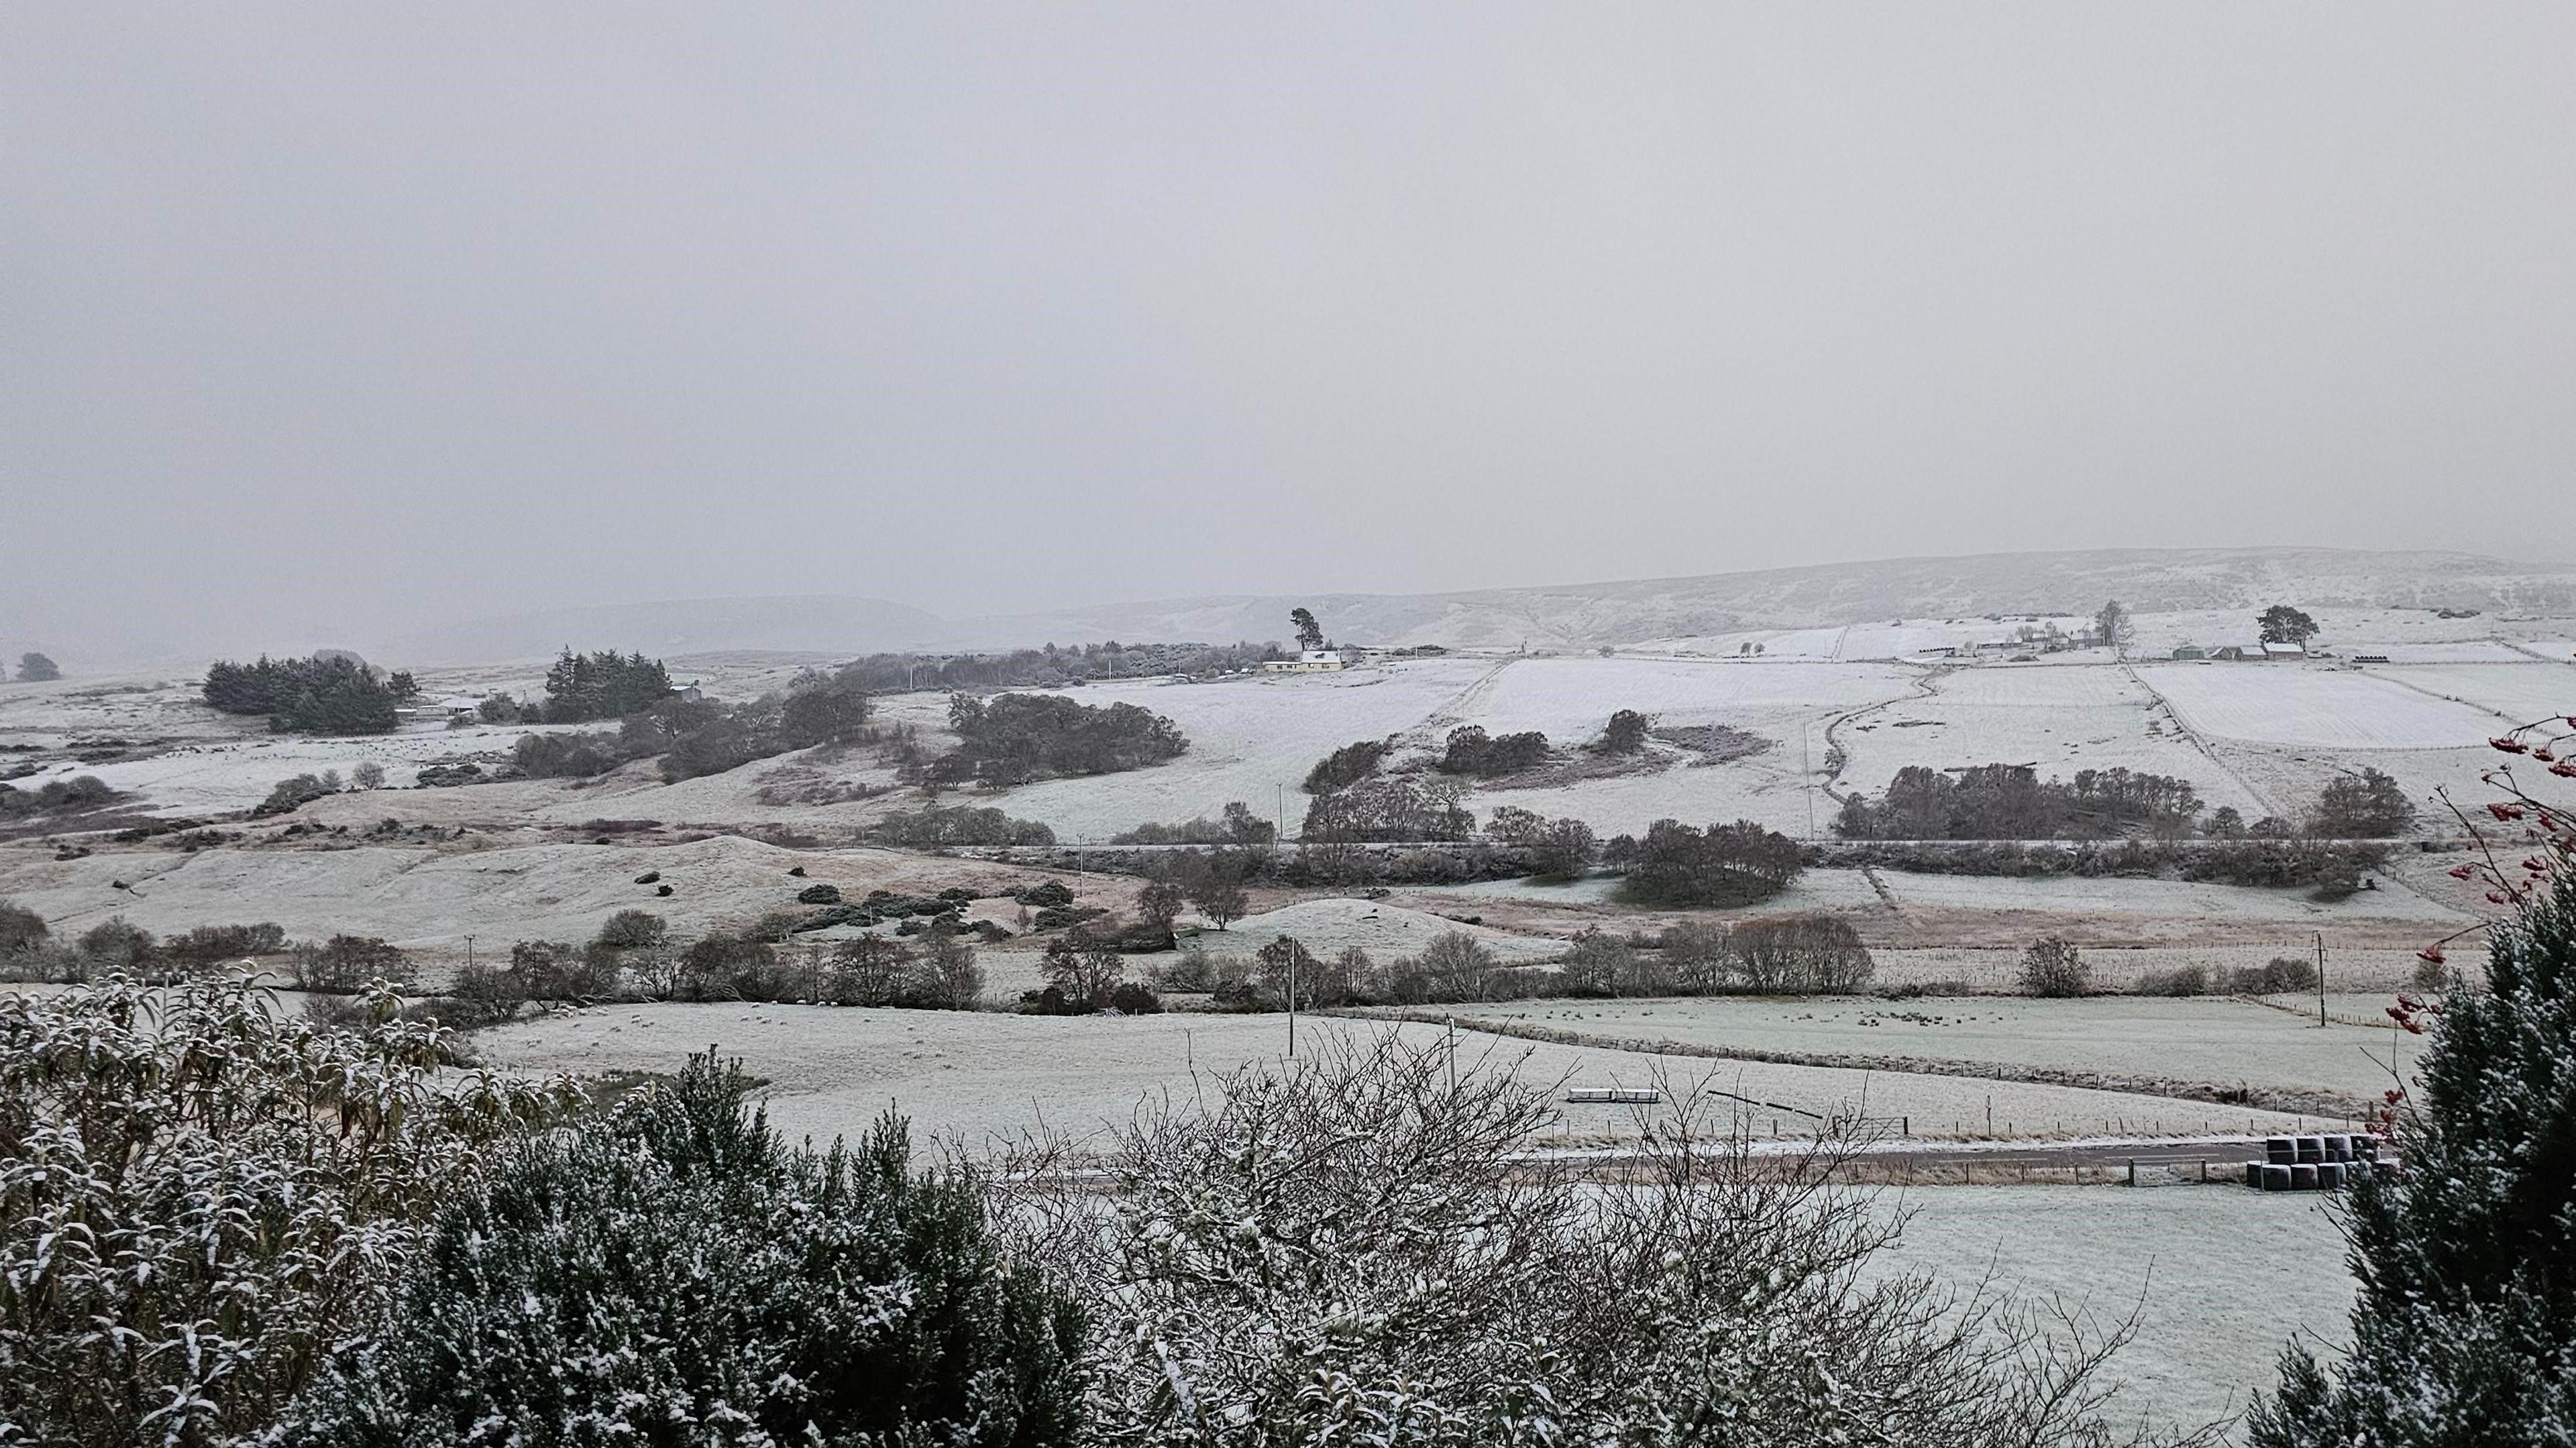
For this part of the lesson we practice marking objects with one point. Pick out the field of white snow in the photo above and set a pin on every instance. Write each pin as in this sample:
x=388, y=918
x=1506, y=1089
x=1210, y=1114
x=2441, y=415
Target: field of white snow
x=1861, y=641
x=2058, y=717
x=2514, y=693
x=2221, y=1278
x=426, y=898
x=2315, y=706
x=2292, y=909
x=973, y=1074
x=1254, y=740
x=1250, y=740
x=2213, y=1039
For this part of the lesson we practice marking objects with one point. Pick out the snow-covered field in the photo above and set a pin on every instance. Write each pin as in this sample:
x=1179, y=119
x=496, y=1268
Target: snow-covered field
x=2059, y=717
x=1250, y=740
x=425, y=898
x=2516, y=693
x=1253, y=740
x=2314, y=705
x=974, y=1074
x=1386, y=932
x=2220, y=1278
x=2213, y=1039
x=2164, y=899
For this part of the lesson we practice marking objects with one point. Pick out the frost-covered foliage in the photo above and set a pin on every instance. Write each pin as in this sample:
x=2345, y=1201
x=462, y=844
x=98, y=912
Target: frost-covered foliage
x=2465, y=1330
x=198, y=1194
x=1364, y=1250
x=674, y=1274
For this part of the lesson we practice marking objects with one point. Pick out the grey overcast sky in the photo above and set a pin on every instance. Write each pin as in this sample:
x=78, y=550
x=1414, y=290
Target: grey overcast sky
x=363, y=310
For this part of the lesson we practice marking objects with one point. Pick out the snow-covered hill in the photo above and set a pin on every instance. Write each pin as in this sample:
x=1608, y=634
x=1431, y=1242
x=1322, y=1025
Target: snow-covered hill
x=1573, y=615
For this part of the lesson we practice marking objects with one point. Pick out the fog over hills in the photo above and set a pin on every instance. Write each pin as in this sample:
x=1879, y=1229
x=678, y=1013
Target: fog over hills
x=1559, y=616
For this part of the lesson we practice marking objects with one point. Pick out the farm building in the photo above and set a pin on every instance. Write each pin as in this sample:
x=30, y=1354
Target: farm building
x=2188, y=652
x=461, y=708
x=1312, y=661
x=2285, y=651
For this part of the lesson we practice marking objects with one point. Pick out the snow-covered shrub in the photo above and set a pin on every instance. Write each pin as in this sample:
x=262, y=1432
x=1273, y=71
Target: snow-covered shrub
x=1799, y=955
x=1364, y=1249
x=2053, y=968
x=348, y=963
x=675, y=1274
x=20, y=927
x=198, y=1194
x=2183, y=980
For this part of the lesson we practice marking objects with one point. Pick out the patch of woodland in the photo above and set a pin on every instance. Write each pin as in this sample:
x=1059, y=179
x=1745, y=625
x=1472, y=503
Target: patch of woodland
x=328, y=693
x=1050, y=667
x=1010, y=739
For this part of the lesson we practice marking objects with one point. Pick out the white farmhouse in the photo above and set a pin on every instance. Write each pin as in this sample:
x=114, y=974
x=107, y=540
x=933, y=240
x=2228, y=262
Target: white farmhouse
x=1312, y=661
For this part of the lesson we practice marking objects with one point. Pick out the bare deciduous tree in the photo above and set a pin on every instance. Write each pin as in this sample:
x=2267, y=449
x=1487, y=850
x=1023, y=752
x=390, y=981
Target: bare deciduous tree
x=1369, y=1249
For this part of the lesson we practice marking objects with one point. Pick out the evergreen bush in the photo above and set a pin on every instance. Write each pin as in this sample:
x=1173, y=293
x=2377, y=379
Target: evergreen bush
x=676, y=1274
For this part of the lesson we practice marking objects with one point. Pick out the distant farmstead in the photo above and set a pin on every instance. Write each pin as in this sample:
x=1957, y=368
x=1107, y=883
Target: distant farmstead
x=1312, y=661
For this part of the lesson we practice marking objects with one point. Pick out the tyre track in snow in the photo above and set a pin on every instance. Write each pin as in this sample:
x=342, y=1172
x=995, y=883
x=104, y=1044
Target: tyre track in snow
x=1453, y=713
x=1927, y=685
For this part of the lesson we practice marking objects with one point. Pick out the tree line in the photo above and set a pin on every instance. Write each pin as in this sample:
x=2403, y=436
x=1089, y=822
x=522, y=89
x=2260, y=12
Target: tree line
x=2011, y=802
x=1049, y=667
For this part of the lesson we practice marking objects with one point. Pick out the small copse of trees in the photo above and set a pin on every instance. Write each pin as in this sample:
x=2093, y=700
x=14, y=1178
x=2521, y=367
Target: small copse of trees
x=326, y=694
x=1677, y=865
x=1017, y=738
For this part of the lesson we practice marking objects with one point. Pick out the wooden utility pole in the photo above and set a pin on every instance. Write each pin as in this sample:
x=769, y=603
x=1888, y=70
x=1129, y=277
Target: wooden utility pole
x=2321, y=977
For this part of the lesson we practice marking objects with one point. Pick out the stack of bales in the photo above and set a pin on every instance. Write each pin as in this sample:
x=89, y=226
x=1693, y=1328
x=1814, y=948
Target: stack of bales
x=2314, y=1163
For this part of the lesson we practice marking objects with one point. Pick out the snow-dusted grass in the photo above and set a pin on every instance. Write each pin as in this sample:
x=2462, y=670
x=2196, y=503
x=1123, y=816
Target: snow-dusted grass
x=1385, y=931
x=2380, y=971
x=2515, y=693
x=2061, y=718
x=1572, y=698
x=833, y=1070
x=1860, y=641
x=2159, y=899
x=1254, y=740
x=2217, y=1040
x=2221, y=1277
x=1250, y=740
x=204, y=778
x=2308, y=704
x=424, y=898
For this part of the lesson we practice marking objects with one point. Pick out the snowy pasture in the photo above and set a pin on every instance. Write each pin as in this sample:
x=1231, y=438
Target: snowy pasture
x=2512, y=693
x=2290, y=909
x=973, y=1074
x=2060, y=718
x=1250, y=739
x=2221, y=1278
x=1330, y=926
x=1893, y=639
x=2303, y=704
x=424, y=898
x=2219, y=1040
x=1253, y=740
x=204, y=778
